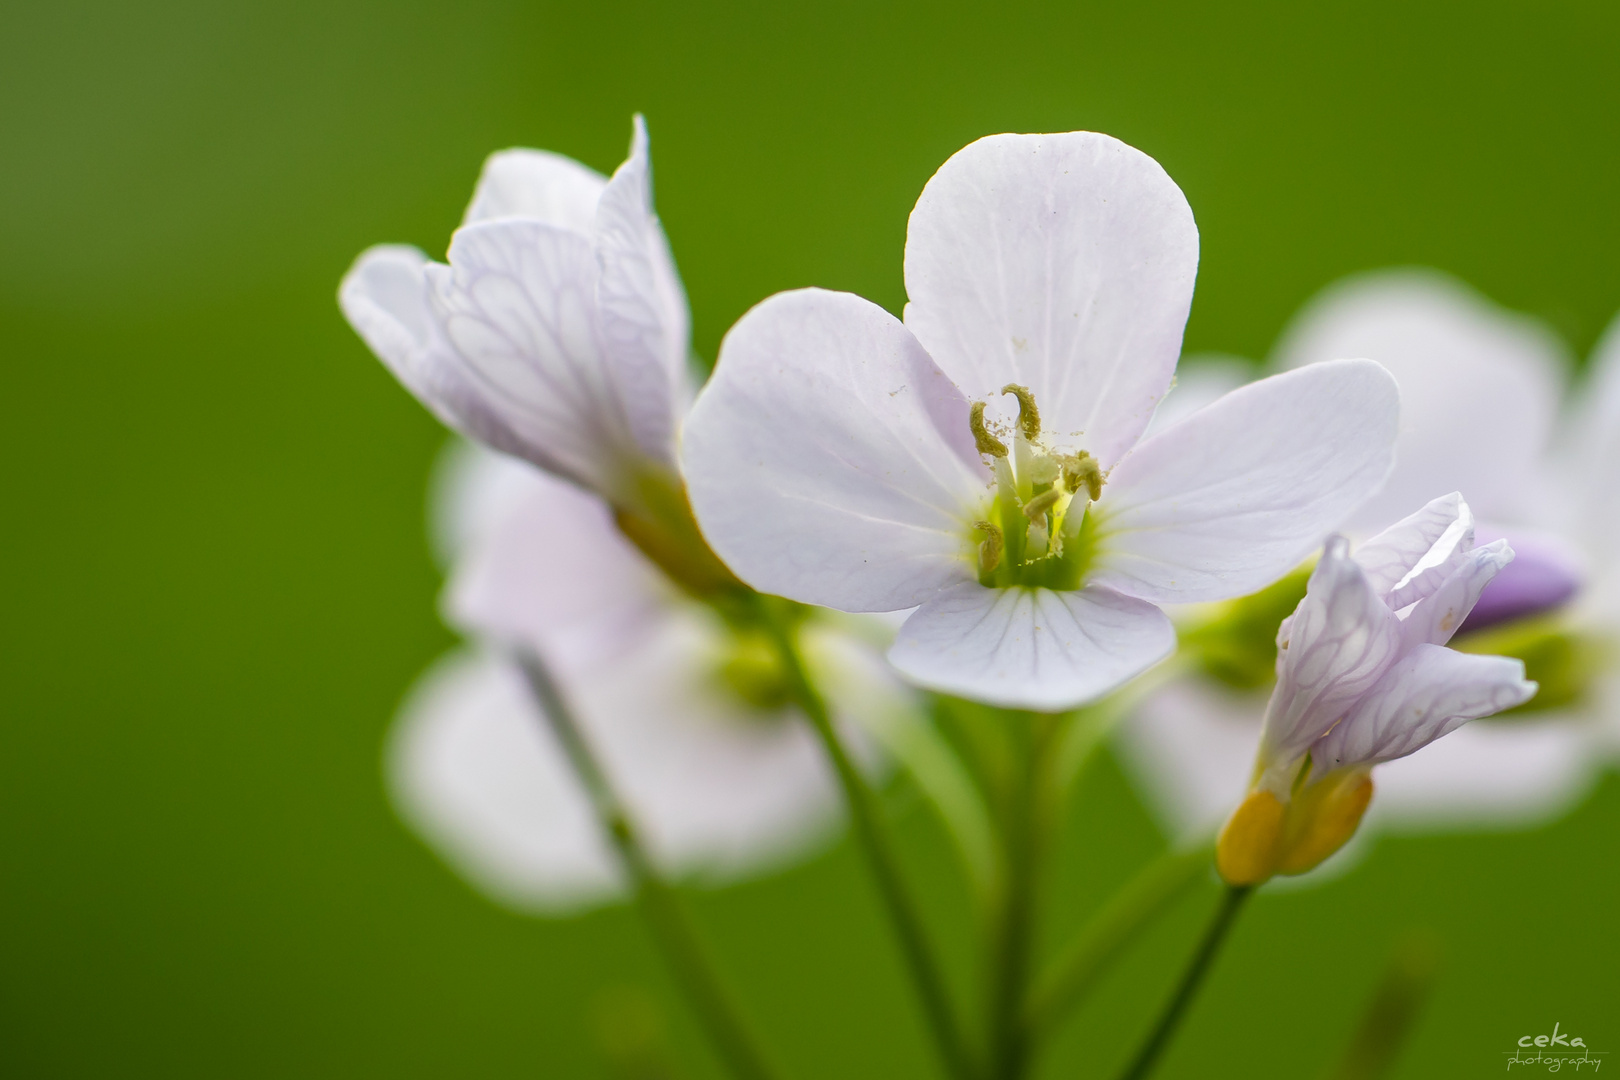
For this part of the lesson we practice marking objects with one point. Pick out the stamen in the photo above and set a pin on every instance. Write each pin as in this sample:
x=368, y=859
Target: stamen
x=990, y=548
x=986, y=442
x=1037, y=507
x=1082, y=469
x=1029, y=417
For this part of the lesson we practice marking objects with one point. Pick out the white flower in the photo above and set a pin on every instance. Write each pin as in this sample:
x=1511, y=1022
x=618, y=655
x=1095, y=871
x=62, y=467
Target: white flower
x=841, y=458
x=558, y=332
x=1363, y=677
x=1479, y=397
x=720, y=785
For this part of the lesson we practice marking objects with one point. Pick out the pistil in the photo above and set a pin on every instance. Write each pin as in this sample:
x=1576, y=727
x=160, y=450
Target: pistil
x=1031, y=537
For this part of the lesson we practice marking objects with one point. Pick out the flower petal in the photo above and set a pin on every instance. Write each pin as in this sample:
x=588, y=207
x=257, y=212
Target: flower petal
x=1190, y=748
x=829, y=460
x=1479, y=386
x=548, y=569
x=1429, y=692
x=1409, y=559
x=1240, y=492
x=642, y=305
x=536, y=184
x=518, y=305
x=473, y=768
x=1504, y=775
x=386, y=298
x=1030, y=648
x=1437, y=616
x=717, y=789
x=1201, y=379
x=1064, y=263
x=1331, y=650
x=1596, y=458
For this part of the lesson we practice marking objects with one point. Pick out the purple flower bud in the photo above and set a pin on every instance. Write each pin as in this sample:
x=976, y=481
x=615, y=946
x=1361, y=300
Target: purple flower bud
x=1543, y=574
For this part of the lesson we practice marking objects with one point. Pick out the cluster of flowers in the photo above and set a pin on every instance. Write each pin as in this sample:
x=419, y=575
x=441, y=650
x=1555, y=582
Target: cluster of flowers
x=992, y=499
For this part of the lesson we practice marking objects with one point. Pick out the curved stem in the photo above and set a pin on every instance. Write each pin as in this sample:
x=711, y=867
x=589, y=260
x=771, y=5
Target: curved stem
x=1148, y=1056
x=869, y=831
x=1090, y=954
x=674, y=932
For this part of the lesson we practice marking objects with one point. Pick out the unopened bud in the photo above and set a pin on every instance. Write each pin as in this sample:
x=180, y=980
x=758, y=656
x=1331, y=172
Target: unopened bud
x=1324, y=819
x=1250, y=843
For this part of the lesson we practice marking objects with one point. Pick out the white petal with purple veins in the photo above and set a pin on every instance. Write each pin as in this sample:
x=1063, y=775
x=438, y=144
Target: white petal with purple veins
x=1432, y=690
x=1064, y=263
x=1239, y=493
x=829, y=460
x=1030, y=648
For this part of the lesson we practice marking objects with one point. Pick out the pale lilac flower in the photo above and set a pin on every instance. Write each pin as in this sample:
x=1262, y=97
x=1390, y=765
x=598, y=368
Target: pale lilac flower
x=721, y=786
x=1480, y=388
x=842, y=458
x=558, y=332
x=1363, y=677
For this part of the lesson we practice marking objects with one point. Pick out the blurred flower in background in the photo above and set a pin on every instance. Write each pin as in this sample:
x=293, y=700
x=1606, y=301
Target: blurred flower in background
x=1485, y=410
x=558, y=334
x=689, y=722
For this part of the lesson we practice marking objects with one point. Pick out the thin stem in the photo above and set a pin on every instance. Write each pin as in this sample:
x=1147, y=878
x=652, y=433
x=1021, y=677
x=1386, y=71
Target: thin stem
x=1092, y=951
x=670, y=924
x=1148, y=1056
x=1013, y=914
x=869, y=830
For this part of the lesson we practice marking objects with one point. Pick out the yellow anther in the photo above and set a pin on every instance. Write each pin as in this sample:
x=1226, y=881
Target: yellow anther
x=986, y=442
x=1037, y=507
x=1250, y=843
x=989, y=548
x=1029, y=417
x=1081, y=470
x=1323, y=820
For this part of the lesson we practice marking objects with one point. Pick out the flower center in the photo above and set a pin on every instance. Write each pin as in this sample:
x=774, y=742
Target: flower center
x=1036, y=533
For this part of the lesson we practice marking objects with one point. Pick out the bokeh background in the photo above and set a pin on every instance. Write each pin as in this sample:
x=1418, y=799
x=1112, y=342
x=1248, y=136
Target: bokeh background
x=218, y=585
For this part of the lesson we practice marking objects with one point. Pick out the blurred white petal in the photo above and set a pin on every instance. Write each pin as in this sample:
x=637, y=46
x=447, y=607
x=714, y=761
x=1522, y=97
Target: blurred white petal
x=1479, y=387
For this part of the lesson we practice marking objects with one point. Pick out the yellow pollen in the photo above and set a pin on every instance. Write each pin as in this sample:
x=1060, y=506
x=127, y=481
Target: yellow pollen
x=986, y=442
x=1029, y=417
x=1082, y=470
x=1037, y=507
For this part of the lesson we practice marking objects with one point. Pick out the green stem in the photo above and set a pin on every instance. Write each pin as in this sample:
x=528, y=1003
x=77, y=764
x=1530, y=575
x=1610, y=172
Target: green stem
x=1148, y=1056
x=869, y=831
x=1090, y=954
x=670, y=924
x=1013, y=915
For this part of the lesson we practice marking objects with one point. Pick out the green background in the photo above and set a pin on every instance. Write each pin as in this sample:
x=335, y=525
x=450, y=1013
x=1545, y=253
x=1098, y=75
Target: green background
x=217, y=582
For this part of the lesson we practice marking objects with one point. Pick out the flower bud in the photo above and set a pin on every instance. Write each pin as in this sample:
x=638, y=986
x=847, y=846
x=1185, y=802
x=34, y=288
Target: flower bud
x=1249, y=846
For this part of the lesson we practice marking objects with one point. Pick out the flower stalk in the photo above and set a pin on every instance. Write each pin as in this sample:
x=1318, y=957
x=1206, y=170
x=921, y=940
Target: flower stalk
x=683, y=950
x=919, y=955
x=1158, y=1040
